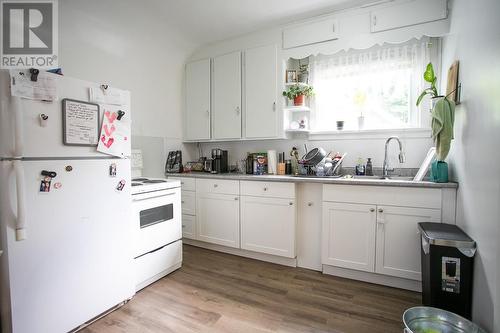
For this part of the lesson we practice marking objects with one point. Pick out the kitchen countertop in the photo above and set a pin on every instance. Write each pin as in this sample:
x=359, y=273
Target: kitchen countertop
x=322, y=180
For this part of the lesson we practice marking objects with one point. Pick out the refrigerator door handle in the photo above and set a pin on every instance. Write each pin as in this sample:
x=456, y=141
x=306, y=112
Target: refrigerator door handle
x=18, y=127
x=21, y=202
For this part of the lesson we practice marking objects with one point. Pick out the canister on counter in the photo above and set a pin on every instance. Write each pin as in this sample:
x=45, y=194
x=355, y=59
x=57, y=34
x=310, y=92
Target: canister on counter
x=288, y=167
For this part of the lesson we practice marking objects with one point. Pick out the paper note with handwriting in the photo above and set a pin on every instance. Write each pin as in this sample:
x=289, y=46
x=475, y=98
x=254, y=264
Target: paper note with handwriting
x=115, y=133
x=43, y=89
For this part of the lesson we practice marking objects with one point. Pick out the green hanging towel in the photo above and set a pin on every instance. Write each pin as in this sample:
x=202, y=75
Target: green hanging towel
x=443, y=117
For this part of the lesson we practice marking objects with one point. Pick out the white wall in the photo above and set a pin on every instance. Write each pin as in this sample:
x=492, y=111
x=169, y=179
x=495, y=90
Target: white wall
x=475, y=159
x=128, y=45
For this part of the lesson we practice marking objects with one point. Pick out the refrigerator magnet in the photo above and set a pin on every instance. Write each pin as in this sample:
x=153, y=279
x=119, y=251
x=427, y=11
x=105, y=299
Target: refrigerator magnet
x=45, y=184
x=121, y=185
x=57, y=185
x=112, y=170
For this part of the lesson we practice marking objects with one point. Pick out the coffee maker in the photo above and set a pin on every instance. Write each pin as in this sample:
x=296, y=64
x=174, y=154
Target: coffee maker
x=219, y=161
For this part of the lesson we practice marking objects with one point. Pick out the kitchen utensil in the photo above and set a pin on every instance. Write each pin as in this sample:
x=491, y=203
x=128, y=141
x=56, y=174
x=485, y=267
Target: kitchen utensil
x=313, y=157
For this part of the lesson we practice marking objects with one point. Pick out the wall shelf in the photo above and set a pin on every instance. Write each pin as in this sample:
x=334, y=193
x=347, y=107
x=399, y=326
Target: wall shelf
x=300, y=108
x=302, y=84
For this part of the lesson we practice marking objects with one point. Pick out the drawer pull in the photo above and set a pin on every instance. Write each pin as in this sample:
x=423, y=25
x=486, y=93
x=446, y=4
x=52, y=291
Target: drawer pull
x=265, y=188
x=182, y=201
x=182, y=183
x=380, y=210
x=372, y=210
x=290, y=203
x=215, y=185
x=309, y=204
x=183, y=226
x=236, y=198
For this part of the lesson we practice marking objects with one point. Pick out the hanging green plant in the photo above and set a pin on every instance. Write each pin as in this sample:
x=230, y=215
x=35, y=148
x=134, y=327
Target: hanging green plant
x=430, y=77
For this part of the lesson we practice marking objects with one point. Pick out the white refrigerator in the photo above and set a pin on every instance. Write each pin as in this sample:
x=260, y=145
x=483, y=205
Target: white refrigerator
x=66, y=254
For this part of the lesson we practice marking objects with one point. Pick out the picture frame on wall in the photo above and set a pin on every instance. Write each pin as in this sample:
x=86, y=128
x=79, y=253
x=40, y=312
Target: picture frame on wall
x=290, y=76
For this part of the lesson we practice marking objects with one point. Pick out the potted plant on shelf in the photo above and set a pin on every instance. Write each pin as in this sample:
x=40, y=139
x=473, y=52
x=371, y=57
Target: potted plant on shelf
x=443, y=118
x=297, y=93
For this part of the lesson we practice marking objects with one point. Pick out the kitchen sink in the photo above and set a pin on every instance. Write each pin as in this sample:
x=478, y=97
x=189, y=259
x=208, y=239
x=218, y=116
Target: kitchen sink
x=394, y=178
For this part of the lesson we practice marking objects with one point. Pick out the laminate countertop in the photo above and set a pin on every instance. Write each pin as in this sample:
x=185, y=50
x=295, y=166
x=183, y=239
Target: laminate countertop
x=356, y=180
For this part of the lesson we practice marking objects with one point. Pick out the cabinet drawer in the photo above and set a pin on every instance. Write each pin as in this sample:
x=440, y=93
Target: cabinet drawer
x=268, y=189
x=187, y=184
x=220, y=186
x=188, y=226
x=384, y=195
x=188, y=202
x=310, y=33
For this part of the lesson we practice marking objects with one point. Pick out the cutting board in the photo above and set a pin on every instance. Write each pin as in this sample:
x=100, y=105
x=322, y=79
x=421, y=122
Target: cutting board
x=452, y=83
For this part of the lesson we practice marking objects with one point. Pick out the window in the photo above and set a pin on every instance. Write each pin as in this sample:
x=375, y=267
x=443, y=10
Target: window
x=372, y=89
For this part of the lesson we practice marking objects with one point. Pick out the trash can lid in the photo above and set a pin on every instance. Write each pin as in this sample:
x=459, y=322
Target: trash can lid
x=446, y=235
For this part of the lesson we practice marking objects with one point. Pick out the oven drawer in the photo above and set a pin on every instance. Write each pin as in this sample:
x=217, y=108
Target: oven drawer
x=154, y=265
x=220, y=186
x=187, y=184
x=188, y=202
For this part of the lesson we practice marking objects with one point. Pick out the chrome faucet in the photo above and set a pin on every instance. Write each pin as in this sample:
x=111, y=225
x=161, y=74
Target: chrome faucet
x=386, y=169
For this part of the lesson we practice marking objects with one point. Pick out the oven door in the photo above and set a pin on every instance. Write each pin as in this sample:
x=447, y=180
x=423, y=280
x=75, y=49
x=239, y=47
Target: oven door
x=157, y=220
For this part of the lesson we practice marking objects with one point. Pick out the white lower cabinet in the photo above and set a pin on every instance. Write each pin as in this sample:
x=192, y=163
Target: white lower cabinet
x=374, y=238
x=268, y=225
x=218, y=219
x=349, y=235
x=398, y=240
x=188, y=226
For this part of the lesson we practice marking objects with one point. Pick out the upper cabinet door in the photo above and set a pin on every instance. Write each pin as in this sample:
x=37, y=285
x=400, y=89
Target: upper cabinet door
x=197, y=118
x=261, y=116
x=227, y=96
x=407, y=14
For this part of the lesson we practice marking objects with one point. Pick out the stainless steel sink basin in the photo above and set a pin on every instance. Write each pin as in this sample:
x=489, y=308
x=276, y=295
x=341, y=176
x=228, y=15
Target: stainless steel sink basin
x=393, y=178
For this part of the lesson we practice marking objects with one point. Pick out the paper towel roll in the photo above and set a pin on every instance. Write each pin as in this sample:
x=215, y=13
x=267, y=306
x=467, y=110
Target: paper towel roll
x=271, y=162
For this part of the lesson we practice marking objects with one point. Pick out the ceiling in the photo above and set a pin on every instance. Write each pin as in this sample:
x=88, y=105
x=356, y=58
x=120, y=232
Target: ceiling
x=207, y=21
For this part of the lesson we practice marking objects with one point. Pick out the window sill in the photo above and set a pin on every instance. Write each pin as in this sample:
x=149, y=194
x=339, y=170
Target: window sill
x=408, y=133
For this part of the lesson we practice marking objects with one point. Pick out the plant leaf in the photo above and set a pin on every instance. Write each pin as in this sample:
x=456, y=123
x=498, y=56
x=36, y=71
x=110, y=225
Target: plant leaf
x=422, y=95
x=429, y=74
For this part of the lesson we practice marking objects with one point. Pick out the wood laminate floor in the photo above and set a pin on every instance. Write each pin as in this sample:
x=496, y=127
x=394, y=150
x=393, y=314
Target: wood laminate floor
x=216, y=292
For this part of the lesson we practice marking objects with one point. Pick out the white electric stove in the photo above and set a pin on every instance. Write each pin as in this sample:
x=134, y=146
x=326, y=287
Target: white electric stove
x=157, y=249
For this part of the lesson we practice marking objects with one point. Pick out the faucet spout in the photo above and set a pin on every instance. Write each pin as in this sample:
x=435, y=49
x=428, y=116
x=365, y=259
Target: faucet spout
x=401, y=156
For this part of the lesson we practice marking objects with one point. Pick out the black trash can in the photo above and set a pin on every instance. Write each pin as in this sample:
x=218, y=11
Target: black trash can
x=447, y=267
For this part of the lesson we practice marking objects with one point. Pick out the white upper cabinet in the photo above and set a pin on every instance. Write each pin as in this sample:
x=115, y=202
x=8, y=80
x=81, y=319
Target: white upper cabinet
x=227, y=96
x=408, y=13
x=310, y=33
x=261, y=116
x=197, y=117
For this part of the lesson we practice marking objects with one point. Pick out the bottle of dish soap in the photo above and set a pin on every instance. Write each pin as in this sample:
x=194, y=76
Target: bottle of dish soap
x=360, y=167
x=369, y=167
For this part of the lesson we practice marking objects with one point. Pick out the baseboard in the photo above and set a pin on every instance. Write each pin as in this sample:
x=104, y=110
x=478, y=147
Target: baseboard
x=385, y=280
x=291, y=262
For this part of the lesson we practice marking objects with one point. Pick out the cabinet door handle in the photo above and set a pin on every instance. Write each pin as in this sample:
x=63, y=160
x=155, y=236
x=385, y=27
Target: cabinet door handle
x=236, y=199
x=208, y=112
x=372, y=210
x=183, y=226
x=237, y=110
x=309, y=204
x=333, y=27
x=374, y=20
x=182, y=201
x=274, y=106
x=380, y=210
x=290, y=203
x=265, y=188
x=215, y=185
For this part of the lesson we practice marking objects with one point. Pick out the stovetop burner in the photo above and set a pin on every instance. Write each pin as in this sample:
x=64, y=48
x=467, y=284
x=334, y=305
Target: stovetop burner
x=154, y=181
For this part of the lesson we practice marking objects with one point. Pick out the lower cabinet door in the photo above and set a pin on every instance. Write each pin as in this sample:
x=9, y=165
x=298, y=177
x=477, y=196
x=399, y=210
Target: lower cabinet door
x=268, y=225
x=188, y=226
x=218, y=219
x=398, y=240
x=349, y=235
